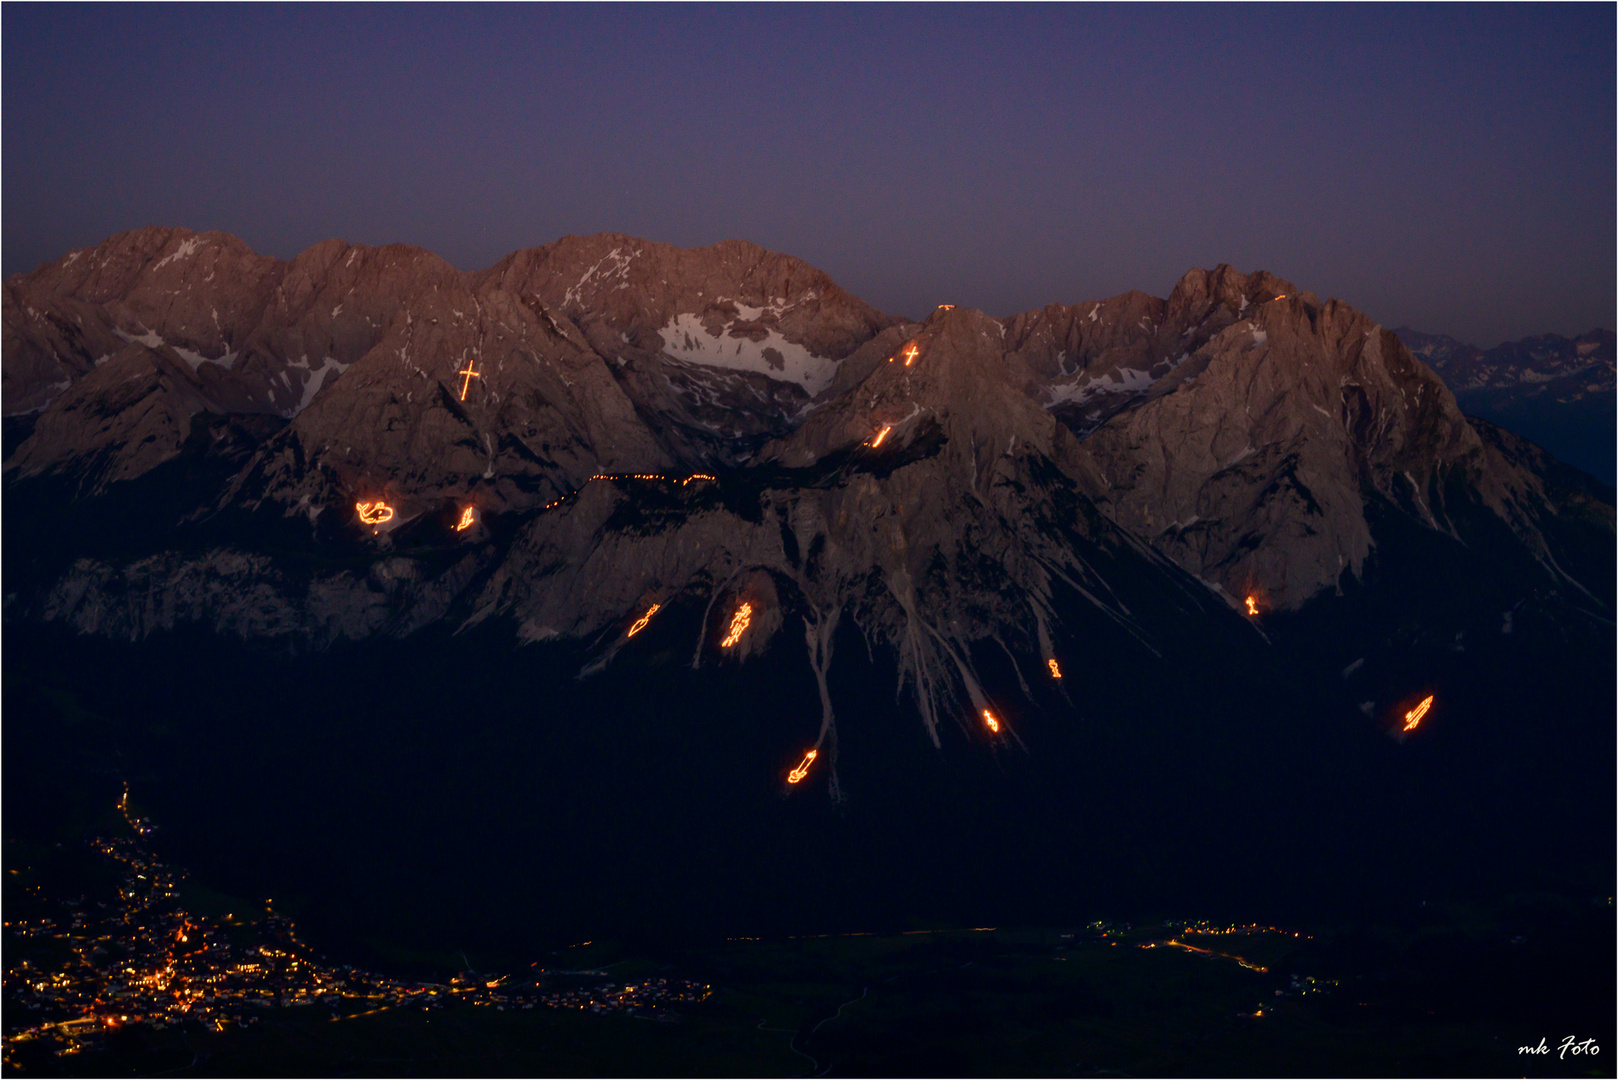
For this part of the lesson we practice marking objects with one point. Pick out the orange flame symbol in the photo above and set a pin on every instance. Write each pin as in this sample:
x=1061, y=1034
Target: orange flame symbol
x=374, y=513
x=1056, y=672
x=1252, y=606
x=803, y=768
x=640, y=623
x=988, y=718
x=1413, y=717
x=946, y=307
x=910, y=355
x=1283, y=296
x=883, y=434
x=466, y=520
x=738, y=624
x=470, y=374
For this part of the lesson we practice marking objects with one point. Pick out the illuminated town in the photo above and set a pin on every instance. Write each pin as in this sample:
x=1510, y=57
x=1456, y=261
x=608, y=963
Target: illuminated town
x=139, y=958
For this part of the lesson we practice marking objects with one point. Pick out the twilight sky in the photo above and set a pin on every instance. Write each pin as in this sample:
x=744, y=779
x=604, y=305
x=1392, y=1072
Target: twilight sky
x=1451, y=167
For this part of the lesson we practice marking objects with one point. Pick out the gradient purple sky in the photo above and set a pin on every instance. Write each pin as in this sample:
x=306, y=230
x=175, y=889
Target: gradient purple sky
x=1451, y=167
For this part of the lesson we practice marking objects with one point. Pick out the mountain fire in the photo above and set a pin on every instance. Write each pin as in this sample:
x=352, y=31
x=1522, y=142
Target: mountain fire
x=1056, y=672
x=803, y=767
x=471, y=373
x=466, y=520
x=1413, y=717
x=640, y=623
x=374, y=513
x=883, y=434
x=911, y=353
x=738, y=625
x=988, y=718
x=1252, y=606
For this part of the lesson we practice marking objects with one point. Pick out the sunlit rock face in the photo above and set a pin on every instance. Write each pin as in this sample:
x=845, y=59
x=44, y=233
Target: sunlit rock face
x=636, y=424
x=720, y=348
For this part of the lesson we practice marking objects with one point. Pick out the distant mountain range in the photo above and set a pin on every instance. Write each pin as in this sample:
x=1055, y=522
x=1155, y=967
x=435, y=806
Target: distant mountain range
x=1133, y=536
x=1556, y=390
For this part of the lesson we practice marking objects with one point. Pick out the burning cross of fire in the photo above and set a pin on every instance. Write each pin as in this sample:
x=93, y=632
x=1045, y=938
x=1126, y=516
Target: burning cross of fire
x=1252, y=606
x=1413, y=717
x=883, y=434
x=470, y=374
x=374, y=513
x=910, y=355
x=466, y=520
x=803, y=768
x=640, y=623
x=738, y=624
x=1056, y=672
x=988, y=718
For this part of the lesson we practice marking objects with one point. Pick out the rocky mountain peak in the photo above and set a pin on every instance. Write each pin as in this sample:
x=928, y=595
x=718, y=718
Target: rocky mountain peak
x=1199, y=292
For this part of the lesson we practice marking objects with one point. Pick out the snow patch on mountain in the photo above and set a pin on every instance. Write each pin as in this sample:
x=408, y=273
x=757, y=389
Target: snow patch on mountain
x=686, y=339
x=619, y=269
x=1118, y=381
x=151, y=339
x=313, y=381
x=196, y=359
x=187, y=248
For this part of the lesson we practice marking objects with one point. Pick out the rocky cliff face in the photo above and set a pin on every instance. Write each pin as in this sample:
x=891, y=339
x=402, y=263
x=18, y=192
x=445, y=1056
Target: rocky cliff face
x=603, y=425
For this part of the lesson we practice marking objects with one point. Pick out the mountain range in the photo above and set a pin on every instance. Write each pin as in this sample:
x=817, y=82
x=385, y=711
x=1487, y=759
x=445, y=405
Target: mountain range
x=1556, y=390
x=633, y=465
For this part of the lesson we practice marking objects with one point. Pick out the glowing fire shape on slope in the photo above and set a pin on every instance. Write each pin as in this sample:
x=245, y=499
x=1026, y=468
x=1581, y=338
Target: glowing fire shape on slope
x=946, y=307
x=738, y=625
x=466, y=520
x=1056, y=672
x=640, y=623
x=988, y=718
x=1252, y=606
x=374, y=513
x=1413, y=717
x=803, y=767
x=883, y=434
x=471, y=373
x=910, y=355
